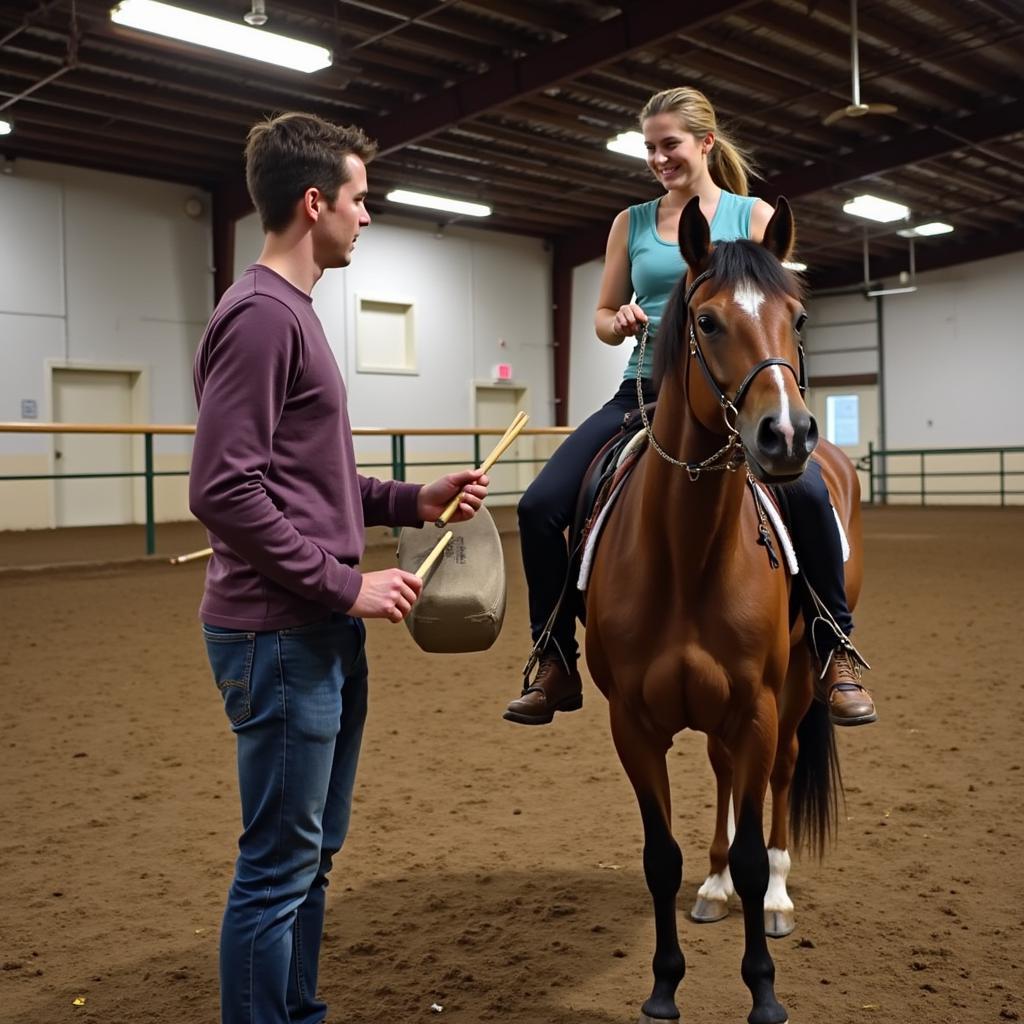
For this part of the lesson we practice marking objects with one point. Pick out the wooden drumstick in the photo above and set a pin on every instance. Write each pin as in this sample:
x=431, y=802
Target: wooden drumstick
x=496, y=453
x=191, y=556
x=428, y=562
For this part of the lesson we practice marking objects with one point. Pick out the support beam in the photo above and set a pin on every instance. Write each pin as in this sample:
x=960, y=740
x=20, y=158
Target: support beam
x=932, y=256
x=642, y=24
x=876, y=158
x=223, y=245
x=561, y=314
x=639, y=25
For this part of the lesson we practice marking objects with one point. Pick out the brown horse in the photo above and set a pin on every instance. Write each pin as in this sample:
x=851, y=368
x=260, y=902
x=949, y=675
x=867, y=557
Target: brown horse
x=688, y=620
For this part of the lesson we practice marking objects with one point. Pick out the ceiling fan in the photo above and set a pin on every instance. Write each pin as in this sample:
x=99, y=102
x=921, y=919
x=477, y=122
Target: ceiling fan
x=856, y=108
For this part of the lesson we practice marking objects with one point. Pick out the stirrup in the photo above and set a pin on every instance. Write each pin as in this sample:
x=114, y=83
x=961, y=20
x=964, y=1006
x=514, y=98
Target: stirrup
x=844, y=644
x=540, y=648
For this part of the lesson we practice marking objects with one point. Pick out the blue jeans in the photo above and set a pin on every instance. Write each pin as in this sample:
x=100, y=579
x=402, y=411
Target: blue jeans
x=296, y=701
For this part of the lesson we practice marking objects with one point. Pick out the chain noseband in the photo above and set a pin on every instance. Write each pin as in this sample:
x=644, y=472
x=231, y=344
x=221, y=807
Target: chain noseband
x=730, y=456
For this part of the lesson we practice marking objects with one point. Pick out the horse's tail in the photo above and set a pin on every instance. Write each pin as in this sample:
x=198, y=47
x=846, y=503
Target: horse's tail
x=817, y=781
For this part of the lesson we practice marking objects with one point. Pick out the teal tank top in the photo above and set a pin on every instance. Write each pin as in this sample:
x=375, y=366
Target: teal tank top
x=656, y=265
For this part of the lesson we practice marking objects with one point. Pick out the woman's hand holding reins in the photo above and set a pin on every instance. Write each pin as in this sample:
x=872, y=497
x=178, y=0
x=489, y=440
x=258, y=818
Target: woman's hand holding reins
x=628, y=320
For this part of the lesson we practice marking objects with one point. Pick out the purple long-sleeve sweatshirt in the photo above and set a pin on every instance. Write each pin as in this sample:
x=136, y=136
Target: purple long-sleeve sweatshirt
x=273, y=474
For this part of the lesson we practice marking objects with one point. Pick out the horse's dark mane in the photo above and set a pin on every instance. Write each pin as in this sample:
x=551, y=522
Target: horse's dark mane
x=731, y=263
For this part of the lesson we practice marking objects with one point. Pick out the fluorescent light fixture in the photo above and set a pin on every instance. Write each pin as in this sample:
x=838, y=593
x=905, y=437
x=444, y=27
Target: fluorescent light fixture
x=876, y=209
x=794, y=265
x=935, y=227
x=6, y=127
x=429, y=202
x=201, y=29
x=629, y=144
x=891, y=291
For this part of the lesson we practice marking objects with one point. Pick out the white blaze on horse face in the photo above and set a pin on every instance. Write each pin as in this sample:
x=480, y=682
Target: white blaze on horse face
x=749, y=298
x=785, y=423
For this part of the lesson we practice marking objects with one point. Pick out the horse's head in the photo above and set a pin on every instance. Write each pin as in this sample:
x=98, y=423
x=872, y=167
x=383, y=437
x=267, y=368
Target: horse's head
x=740, y=311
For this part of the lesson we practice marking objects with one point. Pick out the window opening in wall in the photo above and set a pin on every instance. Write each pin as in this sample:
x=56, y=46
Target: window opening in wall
x=385, y=337
x=842, y=419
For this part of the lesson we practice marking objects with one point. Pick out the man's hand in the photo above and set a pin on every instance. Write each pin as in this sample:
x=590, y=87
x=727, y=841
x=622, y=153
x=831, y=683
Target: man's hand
x=433, y=498
x=388, y=594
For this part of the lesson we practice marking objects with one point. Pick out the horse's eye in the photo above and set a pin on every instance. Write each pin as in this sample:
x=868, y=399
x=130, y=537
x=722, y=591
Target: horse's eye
x=706, y=324
x=800, y=321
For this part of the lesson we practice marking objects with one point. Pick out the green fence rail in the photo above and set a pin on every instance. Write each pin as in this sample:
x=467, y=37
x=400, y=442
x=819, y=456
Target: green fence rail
x=885, y=483
x=398, y=466
x=904, y=474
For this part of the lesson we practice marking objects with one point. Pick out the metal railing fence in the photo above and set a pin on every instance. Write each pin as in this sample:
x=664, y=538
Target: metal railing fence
x=398, y=465
x=918, y=474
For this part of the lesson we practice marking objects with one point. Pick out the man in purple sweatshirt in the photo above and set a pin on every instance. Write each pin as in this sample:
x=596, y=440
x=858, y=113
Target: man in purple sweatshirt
x=274, y=480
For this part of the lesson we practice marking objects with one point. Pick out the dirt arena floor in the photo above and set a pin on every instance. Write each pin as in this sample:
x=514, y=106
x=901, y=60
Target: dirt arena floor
x=492, y=869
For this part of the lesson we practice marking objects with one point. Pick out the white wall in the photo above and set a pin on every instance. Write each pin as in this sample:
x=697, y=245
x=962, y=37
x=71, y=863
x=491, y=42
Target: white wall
x=96, y=269
x=595, y=369
x=108, y=270
x=478, y=298
x=954, y=357
x=841, y=337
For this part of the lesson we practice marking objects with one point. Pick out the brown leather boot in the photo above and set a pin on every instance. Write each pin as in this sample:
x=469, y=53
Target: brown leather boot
x=553, y=689
x=848, y=702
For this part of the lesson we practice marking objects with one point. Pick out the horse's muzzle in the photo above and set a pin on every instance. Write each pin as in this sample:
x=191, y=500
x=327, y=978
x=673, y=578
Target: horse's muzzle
x=782, y=444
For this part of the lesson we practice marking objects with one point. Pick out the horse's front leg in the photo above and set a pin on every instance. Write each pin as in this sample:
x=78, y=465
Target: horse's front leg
x=779, y=914
x=643, y=756
x=712, y=903
x=753, y=750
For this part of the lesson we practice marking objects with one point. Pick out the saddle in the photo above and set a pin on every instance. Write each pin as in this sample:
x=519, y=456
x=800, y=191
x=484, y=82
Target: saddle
x=607, y=467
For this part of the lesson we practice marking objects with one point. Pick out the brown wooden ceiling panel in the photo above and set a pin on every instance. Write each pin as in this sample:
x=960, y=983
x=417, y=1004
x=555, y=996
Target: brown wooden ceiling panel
x=512, y=101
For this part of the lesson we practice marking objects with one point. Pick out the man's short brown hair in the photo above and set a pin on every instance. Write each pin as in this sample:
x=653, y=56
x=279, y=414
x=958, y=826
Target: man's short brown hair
x=287, y=154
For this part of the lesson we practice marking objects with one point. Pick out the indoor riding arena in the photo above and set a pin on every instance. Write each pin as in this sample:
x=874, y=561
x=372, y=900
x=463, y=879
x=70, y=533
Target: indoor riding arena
x=493, y=871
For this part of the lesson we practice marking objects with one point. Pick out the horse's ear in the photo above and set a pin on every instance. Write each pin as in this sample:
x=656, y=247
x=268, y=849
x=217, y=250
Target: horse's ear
x=780, y=233
x=694, y=236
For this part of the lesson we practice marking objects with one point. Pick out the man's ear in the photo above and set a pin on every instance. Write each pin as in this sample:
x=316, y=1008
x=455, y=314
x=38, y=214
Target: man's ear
x=312, y=202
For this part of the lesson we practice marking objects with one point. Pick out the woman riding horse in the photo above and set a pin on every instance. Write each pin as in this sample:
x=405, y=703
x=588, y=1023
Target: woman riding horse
x=689, y=156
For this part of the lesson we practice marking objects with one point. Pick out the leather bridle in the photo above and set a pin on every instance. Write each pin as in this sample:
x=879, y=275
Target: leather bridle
x=730, y=406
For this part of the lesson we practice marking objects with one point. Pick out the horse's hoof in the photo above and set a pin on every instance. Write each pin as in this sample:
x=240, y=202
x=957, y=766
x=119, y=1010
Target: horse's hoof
x=774, y=1013
x=707, y=911
x=779, y=923
x=644, y=1019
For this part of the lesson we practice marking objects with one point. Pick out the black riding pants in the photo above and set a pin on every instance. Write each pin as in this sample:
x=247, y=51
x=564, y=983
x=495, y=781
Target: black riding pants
x=546, y=511
x=807, y=508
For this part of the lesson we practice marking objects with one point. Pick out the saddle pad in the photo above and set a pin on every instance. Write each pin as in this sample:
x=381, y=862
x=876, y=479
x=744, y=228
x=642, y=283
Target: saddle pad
x=462, y=605
x=782, y=530
x=767, y=503
x=587, y=561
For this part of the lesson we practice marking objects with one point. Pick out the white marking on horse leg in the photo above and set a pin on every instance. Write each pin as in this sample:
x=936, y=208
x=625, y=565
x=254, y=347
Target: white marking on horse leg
x=785, y=423
x=717, y=887
x=777, y=898
x=730, y=828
